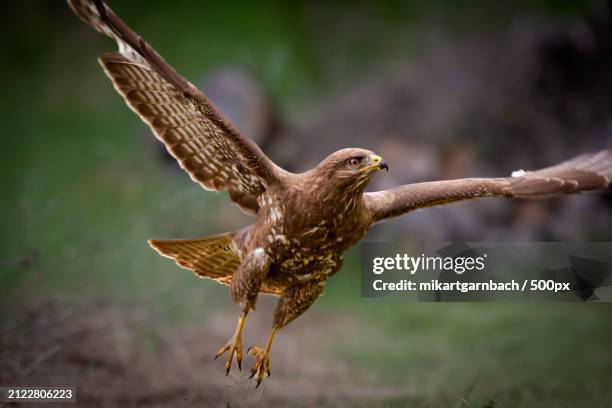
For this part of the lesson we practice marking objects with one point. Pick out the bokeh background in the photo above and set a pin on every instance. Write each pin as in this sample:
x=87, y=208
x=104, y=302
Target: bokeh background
x=440, y=89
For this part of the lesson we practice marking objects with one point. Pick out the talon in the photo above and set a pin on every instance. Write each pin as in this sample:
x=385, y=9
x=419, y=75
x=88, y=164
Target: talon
x=234, y=346
x=261, y=365
x=222, y=350
x=262, y=361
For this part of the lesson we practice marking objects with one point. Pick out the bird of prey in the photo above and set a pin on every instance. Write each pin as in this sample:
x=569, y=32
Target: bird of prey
x=303, y=223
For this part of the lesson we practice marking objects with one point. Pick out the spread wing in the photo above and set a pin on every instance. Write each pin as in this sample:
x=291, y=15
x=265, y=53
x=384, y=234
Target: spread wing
x=205, y=144
x=583, y=173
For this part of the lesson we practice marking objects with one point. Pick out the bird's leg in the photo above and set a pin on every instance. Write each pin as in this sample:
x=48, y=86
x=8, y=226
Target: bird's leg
x=294, y=301
x=262, y=359
x=244, y=289
x=234, y=345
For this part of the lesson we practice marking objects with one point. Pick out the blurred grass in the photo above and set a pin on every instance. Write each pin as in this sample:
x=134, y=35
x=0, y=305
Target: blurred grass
x=517, y=355
x=82, y=191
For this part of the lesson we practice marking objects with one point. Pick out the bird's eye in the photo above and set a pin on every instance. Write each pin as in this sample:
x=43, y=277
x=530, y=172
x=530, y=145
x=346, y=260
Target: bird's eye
x=354, y=162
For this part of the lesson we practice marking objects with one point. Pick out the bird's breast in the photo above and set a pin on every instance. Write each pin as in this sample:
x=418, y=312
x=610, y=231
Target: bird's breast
x=307, y=241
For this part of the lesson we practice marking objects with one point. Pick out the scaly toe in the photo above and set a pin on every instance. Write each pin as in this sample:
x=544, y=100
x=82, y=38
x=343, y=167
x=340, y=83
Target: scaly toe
x=261, y=365
x=234, y=346
x=222, y=350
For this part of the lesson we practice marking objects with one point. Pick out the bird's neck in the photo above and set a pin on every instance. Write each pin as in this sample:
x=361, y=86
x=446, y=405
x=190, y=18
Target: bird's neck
x=339, y=197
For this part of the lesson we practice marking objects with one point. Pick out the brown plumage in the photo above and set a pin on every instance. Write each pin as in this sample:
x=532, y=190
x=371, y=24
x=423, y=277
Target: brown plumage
x=304, y=222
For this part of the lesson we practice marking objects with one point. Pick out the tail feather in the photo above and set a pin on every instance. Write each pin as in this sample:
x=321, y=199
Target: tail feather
x=215, y=257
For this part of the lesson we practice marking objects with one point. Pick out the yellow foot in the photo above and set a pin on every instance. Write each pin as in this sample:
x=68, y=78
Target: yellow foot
x=234, y=346
x=261, y=365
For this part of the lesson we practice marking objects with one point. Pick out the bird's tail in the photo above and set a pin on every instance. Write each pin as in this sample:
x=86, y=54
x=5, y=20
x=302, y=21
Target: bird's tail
x=215, y=257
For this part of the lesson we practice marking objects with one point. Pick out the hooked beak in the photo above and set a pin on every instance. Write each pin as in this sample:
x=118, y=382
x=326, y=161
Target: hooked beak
x=379, y=163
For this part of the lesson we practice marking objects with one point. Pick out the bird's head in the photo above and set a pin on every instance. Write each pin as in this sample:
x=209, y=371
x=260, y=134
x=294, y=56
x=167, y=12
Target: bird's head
x=351, y=167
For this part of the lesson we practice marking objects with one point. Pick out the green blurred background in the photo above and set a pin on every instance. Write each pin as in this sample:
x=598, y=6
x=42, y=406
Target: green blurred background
x=86, y=302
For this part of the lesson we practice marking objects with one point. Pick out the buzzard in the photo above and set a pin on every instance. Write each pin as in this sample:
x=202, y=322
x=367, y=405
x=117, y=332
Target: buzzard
x=304, y=223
